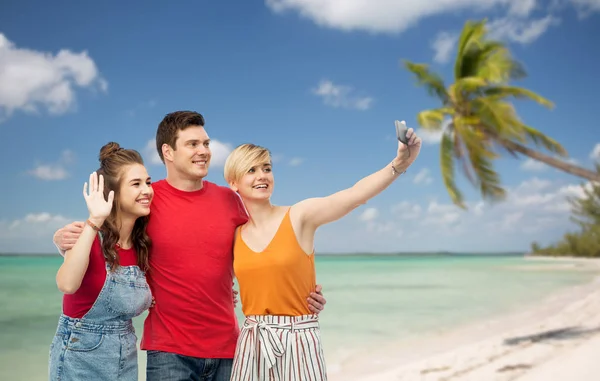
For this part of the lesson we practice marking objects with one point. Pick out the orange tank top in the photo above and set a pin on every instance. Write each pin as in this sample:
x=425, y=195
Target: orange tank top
x=277, y=280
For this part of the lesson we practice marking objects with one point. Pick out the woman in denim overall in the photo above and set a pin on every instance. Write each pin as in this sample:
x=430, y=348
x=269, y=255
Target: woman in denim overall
x=101, y=345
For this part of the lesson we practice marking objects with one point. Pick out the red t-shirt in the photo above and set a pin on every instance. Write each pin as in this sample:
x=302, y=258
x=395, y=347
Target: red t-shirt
x=191, y=271
x=78, y=304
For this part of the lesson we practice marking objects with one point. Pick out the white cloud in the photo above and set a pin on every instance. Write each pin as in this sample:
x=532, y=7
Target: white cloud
x=509, y=220
x=585, y=7
x=515, y=27
x=296, y=161
x=542, y=196
x=54, y=171
x=522, y=8
x=423, y=177
x=433, y=137
x=30, y=80
x=31, y=233
x=538, y=166
x=520, y=30
x=384, y=228
x=535, y=204
x=380, y=16
x=369, y=214
x=514, y=23
x=479, y=208
x=150, y=153
x=533, y=185
x=33, y=224
x=441, y=215
x=341, y=96
x=220, y=151
x=371, y=224
x=407, y=210
x=384, y=16
x=49, y=172
x=595, y=154
x=443, y=46
x=533, y=165
x=536, y=209
x=428, y=136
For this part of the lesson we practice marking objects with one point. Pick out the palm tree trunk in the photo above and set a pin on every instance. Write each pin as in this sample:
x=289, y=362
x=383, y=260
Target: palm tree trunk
x=551, y=161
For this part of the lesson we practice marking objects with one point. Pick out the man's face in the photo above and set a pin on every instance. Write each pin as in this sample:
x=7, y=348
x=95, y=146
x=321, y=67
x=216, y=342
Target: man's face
x=191, y=157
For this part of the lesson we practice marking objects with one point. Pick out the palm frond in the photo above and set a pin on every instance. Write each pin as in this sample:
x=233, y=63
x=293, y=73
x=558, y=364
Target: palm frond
x=480, y=157
x=432, y=119
x=472, y=34
x=489, y=180
x=459, y=153
x=447, y=168
x=540, y=139
x=496, y=116
x=470, y=84
x=494, y=63
x=500, y=92
x=432, y=81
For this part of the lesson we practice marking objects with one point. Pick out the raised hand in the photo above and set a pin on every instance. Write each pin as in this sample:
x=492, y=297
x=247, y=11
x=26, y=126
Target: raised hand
x=408, y=153
x=98, y=207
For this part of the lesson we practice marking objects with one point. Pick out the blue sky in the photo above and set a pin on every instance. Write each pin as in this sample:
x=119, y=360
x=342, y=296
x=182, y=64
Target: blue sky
x=319, y=83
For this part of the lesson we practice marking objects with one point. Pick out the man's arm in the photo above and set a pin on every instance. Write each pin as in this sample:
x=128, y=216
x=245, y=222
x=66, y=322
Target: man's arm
x=66, y=237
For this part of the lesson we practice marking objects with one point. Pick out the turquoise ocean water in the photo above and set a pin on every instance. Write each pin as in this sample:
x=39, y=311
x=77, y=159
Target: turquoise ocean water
x=372, y=300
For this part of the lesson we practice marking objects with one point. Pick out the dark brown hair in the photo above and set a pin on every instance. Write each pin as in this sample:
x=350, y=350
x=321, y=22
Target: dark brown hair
x=172, y=123
x=113, y=160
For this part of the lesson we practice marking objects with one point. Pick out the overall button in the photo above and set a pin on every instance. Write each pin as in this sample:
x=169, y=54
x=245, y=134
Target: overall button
x=78, y=324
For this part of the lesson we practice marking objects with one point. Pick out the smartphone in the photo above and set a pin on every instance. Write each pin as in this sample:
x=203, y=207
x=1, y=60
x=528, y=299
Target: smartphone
x=401, y=130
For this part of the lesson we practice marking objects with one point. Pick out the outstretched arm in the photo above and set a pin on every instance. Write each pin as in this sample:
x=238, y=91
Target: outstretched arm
x=71, y=272
x=315, y=212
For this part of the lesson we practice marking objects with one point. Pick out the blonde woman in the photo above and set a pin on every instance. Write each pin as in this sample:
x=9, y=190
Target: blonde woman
x=275, y=267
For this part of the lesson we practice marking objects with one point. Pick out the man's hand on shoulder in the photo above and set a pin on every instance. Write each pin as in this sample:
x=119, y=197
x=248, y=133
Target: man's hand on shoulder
x=66, y=237
x=235, y=298
x=316, y=301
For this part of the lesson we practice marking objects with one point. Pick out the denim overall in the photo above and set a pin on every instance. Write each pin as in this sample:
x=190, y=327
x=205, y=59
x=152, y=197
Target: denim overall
x=102, y=344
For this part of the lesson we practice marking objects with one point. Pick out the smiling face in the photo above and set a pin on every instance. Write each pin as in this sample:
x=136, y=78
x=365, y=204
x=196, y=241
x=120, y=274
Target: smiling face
x=135, y=191
x=248, y=171
x=257, y=183
x=190, y=158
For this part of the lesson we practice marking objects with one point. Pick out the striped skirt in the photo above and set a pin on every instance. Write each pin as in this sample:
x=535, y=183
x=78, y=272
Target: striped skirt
x=279, y=348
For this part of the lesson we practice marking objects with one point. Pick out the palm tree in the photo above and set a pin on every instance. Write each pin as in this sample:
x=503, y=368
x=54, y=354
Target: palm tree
x=478, y=121
x=586, y=210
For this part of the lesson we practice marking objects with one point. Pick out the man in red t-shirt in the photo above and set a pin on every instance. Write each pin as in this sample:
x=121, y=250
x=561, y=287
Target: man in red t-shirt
x=191, y=332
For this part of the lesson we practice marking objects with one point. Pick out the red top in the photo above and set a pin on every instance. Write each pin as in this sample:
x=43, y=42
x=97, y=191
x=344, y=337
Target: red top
x=78, y=304
x=191, y=271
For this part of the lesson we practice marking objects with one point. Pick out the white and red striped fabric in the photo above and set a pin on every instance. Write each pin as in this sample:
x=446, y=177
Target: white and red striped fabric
x=279, y=348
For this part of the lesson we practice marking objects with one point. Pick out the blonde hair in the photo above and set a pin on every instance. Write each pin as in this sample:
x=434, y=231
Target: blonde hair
x=241, y=159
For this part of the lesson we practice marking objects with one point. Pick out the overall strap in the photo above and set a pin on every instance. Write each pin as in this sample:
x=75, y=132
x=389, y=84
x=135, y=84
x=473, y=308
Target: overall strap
x=101, y=238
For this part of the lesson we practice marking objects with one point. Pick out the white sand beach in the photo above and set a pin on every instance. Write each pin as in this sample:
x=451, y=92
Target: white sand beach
x=557, y=339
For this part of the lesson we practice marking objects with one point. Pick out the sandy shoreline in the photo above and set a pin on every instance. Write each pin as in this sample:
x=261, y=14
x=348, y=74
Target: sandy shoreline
x=557, y=339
